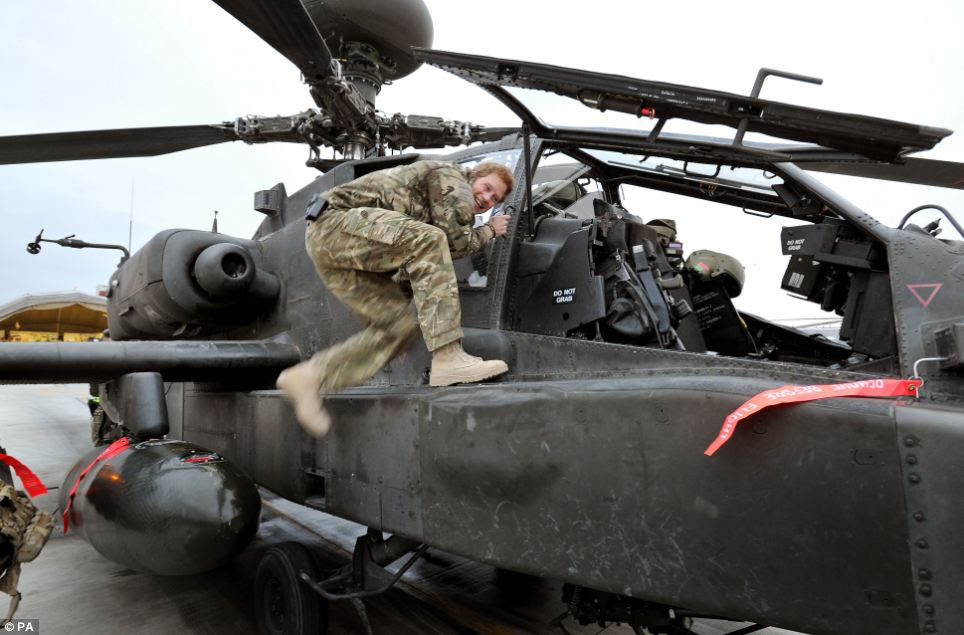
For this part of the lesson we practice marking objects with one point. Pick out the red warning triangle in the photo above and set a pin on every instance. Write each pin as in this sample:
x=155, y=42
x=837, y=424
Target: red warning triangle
x=930, y=289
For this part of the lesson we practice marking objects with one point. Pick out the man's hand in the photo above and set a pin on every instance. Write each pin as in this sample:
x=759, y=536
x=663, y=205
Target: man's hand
x=499, y=224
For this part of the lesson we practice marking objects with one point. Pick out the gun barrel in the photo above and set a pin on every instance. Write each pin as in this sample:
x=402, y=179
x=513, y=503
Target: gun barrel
x=79, y=362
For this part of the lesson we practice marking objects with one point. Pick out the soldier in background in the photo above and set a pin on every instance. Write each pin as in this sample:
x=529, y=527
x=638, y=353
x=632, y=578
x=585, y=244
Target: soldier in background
x=102, y=429
x=411, y=219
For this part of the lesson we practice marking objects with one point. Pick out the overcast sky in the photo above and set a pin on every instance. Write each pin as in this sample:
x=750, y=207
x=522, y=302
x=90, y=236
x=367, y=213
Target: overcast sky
x=68, y=65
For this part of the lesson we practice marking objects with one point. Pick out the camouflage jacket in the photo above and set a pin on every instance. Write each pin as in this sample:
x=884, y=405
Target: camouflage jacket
x=433, y=192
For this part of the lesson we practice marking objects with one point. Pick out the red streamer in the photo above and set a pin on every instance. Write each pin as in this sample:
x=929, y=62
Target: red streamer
x=31, y=482
x=796, y=394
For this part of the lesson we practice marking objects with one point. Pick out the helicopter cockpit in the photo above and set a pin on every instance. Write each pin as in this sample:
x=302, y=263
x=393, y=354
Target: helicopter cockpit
x=605, y=257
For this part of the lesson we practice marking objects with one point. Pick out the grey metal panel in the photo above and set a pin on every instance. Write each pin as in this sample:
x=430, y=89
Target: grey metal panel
x=350, y=498
x=371, y=458
x=210, y=419
x=932, y=447
x=604, y=483
x=402, y=511
x=255, y=430
x=272, y=438
x=174, y=395
x=532, y=357
x=927, y=279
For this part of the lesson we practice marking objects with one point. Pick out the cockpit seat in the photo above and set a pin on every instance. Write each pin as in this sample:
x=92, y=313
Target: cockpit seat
x=714, y=279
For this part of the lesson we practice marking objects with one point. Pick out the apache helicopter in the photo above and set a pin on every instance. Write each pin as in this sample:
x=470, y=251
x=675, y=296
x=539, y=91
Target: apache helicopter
x=832, y=516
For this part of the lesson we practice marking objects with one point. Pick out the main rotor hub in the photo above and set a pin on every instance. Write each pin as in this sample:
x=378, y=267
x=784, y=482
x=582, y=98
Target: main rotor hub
x=364, y=67
x=389, y=28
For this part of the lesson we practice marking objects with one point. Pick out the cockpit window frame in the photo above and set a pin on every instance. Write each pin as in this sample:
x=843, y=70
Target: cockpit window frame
x=611, y=176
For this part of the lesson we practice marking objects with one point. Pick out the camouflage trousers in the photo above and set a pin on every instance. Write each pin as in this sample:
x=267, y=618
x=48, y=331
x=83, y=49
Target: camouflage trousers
x=357, y=252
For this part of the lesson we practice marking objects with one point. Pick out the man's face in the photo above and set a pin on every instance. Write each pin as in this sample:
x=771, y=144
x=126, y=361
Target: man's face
x=487, y=192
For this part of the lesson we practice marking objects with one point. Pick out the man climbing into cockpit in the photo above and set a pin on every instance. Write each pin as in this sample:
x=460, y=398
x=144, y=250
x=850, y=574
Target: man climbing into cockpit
x=411, y=219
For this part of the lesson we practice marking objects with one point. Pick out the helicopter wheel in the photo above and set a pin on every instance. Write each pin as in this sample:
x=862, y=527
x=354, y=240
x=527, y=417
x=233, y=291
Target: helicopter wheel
x=283, y=603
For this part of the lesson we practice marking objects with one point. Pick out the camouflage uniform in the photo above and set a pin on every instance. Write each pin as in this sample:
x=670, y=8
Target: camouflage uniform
x=24, y=531
x=412, y=219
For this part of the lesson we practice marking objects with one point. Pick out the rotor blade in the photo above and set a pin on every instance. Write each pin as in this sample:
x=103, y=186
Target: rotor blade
x=492, y=134
x=286, y=27
x=872, y=137
x=148, y=142
x=108, y=144
x=948, y=174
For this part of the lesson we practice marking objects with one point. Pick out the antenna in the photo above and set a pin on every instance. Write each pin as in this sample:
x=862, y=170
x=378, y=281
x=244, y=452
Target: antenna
x=214, y=225
x=130, y=224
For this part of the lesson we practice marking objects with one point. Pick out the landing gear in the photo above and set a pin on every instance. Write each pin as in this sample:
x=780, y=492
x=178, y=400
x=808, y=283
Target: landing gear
x=292, y=599
x=284, y=603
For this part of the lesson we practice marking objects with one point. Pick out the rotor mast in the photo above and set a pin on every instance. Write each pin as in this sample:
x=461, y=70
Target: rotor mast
x=358, y=78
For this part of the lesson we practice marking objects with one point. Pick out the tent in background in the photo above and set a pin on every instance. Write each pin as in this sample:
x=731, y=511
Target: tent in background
x=66, y=316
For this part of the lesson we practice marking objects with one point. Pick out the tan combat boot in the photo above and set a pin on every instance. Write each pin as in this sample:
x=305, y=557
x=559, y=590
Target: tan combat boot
x=300, y=388
x=452, y=365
